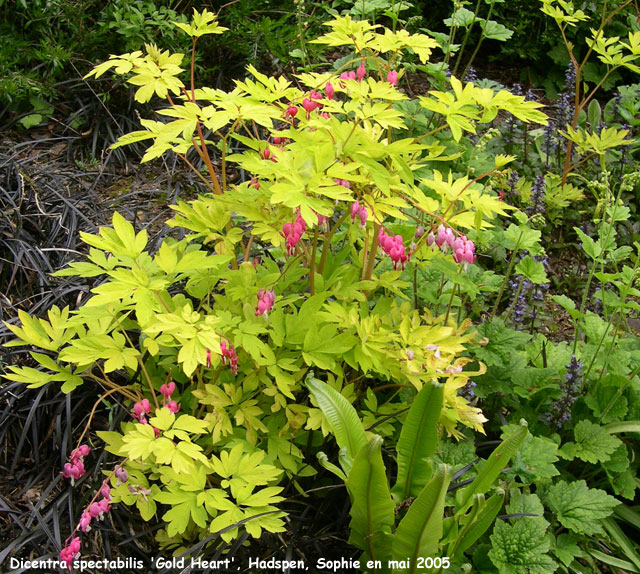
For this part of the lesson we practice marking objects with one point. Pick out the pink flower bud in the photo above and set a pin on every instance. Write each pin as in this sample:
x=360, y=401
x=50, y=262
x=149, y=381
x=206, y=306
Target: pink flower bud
x=410, y=355
x=105, y=491
x=208, y=358
x=329, y=90
x=355, y=207
x=419, y=231
x=363, y=214
x=392, y=77
x=254, y=183
x=431, y=239
x=121, y=475
x=361, y=72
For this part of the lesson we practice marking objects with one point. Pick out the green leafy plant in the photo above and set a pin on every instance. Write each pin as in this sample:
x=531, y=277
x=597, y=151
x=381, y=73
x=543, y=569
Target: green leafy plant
x=419, y=538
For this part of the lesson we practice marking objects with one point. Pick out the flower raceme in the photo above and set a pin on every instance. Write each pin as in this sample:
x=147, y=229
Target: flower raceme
x=292, y=232
x=359, y=211
x=140, y=410
x=68, y=553
x=463, y=249
x=229, y=353
x=167, y=390
x=74, y=469
x=394, y=248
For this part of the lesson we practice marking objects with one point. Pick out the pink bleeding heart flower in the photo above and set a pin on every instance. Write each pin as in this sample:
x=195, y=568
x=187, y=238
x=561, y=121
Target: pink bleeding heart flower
x=208, y=359
x=445, y=238
x=174, y=407
x=361, y=72
x=167, y=389
x=140, y=409
x=309, y=106
x=85, y=522
x=266, y=300
x=81, y=451
x=104, y=505
x=105, y=491
x=68, y=470
x=392, y=77
x=410, y=355
x=291, y=111
x=95, y=510
x=346, y=76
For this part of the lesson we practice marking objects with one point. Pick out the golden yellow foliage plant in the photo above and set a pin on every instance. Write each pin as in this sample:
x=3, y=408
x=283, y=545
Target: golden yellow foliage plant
x=305, y=266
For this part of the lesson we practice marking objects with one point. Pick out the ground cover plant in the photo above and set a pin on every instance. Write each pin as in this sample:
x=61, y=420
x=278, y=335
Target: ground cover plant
x=373, y=301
